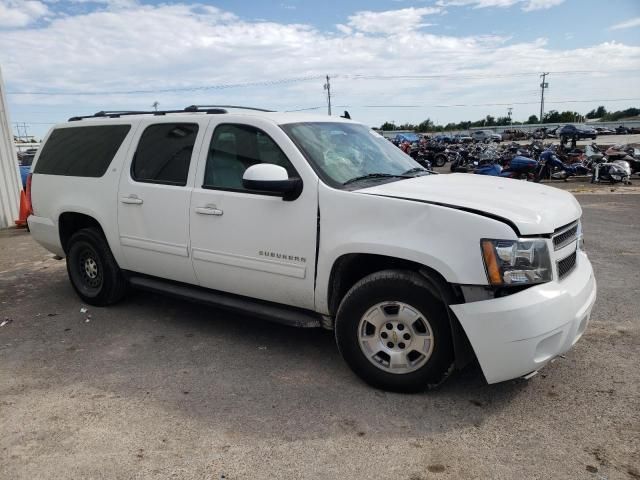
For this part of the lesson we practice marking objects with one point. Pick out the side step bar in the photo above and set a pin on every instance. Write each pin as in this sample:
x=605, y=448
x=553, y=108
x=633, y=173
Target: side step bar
x=274, y=312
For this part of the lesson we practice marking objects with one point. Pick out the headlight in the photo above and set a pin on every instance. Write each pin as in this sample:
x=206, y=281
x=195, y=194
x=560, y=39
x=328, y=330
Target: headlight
x=516, y=262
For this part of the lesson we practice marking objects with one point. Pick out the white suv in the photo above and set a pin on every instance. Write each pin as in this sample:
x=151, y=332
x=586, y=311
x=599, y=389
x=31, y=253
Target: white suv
x=317, y=221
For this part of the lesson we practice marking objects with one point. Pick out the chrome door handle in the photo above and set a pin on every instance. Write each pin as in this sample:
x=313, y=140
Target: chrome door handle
x=131, y=200
x=208, y=211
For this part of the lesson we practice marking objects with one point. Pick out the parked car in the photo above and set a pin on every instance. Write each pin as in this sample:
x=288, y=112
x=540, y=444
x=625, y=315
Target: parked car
x=571, y=131
x=406, y=137
x=444, y=138
x=462, y=138
x=486, y=136
x=514, y=134
x=303, y=219
x=25, y=160
x=604, y=131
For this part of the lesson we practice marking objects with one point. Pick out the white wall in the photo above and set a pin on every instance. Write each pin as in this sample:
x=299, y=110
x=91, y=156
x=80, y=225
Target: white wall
x=10, y=184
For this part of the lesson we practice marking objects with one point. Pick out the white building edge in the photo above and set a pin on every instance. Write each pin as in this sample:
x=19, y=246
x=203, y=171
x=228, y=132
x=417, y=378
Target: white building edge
x=10, y=184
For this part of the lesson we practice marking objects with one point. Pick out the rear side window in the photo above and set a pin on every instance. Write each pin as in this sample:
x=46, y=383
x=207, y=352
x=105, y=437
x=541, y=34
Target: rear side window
x=81, y=151
x=164, y=153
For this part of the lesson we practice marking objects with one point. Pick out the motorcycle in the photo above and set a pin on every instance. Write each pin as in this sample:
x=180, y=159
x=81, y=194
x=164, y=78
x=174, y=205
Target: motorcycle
x=551, y=167
x=622, y=153
x=520, y=168
x=614, y=172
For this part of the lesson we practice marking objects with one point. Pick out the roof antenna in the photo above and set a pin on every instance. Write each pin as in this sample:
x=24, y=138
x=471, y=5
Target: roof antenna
x=346, y=115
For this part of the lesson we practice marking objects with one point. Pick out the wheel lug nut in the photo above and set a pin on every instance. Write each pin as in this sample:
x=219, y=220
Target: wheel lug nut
x=400, y=326
x=406, y=336
x=401, y=345
x=390, y=344
x=389, y=326
x=384, y=335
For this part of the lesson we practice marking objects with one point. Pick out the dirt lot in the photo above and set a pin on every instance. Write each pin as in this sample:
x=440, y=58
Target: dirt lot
x=161, y=388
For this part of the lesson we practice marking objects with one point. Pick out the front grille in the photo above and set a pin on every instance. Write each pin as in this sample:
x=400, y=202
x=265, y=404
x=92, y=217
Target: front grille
x=566, y=265
x=565, y=236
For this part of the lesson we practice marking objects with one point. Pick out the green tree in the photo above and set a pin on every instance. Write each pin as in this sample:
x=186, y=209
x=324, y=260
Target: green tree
x=552, y=116
x=425, y=126
x=387, y=126
x=532, y=120
x=597, y=113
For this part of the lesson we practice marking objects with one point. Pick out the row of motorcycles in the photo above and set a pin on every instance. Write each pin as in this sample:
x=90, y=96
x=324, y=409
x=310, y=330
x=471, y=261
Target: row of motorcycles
x=534, y=162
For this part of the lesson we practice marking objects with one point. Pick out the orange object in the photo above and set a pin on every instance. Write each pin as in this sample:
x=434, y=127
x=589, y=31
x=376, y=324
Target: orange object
x=491, y=263
x=25, y=210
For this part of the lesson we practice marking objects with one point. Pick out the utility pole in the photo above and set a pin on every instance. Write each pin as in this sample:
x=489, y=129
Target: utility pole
x=543, y=85
x=509, y=110
x=327, y=87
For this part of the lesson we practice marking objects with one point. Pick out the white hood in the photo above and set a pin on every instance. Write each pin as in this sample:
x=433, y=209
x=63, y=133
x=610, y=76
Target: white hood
x=534, y=209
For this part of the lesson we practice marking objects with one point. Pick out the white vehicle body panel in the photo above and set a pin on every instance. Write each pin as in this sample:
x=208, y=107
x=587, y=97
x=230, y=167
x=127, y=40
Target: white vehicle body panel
x=258, y=246
x=533, y=208
x=53, y=195
x=255, y=245
x=520, y=333
x=154, y=234
x=441, y=238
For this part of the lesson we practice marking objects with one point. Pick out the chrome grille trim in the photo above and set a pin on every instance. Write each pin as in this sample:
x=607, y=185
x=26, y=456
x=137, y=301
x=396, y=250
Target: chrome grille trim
x=567, y=265
x=565, y=235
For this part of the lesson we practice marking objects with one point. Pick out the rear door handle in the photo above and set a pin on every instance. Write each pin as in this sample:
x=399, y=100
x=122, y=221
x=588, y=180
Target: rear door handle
x=131, y=200
x=208, y=211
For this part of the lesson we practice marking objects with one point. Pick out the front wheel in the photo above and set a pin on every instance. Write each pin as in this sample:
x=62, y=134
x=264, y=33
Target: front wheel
x=393, y=333
x=94, y=273
x=440, y=160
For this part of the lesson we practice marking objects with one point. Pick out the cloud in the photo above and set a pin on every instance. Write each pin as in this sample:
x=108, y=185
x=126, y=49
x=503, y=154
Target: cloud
x=191, y=46
x=20, y=13
x=631, y=23
x=391, y=21
x=527, y=5
x=540, y=4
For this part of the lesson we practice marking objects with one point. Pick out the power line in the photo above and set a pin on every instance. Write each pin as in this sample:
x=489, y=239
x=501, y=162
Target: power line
x=222, y=86
x=413, y=105
x=267, y=83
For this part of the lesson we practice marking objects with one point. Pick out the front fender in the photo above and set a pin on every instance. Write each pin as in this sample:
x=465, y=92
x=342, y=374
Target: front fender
x=444, y=239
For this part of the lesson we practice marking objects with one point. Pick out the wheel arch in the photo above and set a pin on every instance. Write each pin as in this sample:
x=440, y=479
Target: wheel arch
x=350, y=268
x=69, y=222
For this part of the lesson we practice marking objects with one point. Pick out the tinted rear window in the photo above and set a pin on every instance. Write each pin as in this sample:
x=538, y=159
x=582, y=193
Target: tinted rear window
x=81, y=151
x=164, y=153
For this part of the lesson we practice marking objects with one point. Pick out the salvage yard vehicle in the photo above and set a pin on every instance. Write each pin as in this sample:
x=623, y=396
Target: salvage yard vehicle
x=486, y=136
x=317, y=221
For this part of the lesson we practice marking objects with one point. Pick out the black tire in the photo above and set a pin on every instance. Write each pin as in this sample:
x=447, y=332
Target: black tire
x=395, y=286
x=440, y=160
x=108, y=286
x=453, y=166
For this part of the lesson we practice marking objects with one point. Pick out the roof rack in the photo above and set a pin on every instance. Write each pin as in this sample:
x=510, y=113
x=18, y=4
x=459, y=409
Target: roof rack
x=122, y=113
x=208, y=109
x=198, y=108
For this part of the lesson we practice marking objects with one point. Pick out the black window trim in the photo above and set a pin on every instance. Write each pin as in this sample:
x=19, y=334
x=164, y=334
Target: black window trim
x=164, y=182
x=244, y=190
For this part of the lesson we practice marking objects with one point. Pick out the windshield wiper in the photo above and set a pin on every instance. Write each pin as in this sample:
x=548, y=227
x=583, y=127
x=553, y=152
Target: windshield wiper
x=375, y=175
x=416, y=170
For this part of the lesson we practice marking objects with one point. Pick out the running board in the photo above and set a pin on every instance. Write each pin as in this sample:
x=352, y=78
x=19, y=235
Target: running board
x=274, y=312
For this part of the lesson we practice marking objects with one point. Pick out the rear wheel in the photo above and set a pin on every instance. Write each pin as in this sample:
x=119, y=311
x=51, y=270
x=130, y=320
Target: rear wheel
x=440, y=160
x=393, y=333
x=94, y=273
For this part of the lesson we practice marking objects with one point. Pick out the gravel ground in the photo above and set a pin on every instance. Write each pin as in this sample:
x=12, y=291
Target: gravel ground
x=160, y=388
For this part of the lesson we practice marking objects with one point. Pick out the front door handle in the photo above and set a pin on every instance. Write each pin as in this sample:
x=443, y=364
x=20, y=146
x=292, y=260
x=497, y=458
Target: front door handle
x=208, y=210
x=131, y=200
